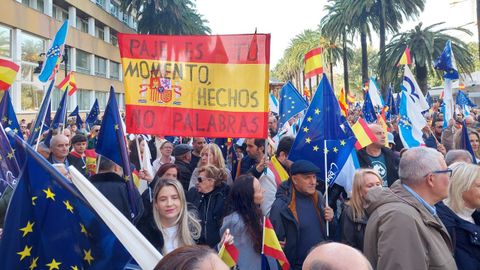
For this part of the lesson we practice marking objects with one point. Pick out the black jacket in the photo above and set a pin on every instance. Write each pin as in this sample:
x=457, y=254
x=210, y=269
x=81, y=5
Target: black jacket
x=465, y=237
x=286, y=226
x=353, y=231
x=391, y=162
x=150, y=230
x=184, y=173
x=114, y=188
x=79, y=164
x=210, y=209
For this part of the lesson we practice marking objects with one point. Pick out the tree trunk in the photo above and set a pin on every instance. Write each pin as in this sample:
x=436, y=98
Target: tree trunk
x=345, y=63
x=331, y=76
x=382, y=82
x=421, y=72
x=363, y=42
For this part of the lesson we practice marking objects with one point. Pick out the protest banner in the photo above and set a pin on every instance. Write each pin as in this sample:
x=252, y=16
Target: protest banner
x=205, y=86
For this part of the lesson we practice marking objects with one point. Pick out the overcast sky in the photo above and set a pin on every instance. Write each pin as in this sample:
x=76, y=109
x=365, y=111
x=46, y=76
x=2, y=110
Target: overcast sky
x=286, y=19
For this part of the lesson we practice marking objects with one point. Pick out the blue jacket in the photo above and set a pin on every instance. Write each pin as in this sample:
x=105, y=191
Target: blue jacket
x=465, y=237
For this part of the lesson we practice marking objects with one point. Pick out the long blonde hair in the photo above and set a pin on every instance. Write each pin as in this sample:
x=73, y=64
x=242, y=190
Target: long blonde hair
x=463, y=178
x=216, y=159
x=189, y=228
x=357, y=201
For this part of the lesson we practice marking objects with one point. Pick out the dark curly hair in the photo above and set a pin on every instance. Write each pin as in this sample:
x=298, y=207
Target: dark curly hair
x=240, y=200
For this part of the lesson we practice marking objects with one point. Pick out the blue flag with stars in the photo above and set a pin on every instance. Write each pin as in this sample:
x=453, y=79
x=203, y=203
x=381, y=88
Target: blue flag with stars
x=291, y=103
x=42, y=114
x=54, y=53
x=50, y=226
x=9, y=170
x=78, y=119
x=7, y=114
x=58, y=119
x=392, y=108
x=465, y=142
x=464, y=102
x=93, y=114
x=446, y=62
x=368, y=110
x=111, y=144
x=74, y=112
x=322, y=123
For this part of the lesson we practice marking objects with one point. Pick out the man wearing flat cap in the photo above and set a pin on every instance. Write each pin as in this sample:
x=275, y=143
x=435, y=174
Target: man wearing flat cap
x=299, y=213
x=183, y=156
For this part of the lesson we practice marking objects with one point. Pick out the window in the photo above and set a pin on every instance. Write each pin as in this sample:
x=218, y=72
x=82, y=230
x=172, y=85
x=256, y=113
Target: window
x=83, y=62
x=113, y=40
x=40, y=6
x=100, y=66
x=100, y=2
x=119, y=98
x=82, y=25
x=5, y=42
x=84, y=99
x=99, y=32
x=102, y=99
x=32, y=46
x=31, y=97
x=59, y=13
x=114, y=70
x=114, y=9
x=27, y=71
x=125, y=18
x=55, y=99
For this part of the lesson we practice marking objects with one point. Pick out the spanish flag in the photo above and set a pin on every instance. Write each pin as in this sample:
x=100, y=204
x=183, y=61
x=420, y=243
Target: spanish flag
x=363, y=134
x=68, y=82
x=313, y=63
x=350, y=99
x=8, y=72
x=381, y=121
x=405, y=59
x=271, y=246
x=278, y=171
x=229, y=254
x=343, y=103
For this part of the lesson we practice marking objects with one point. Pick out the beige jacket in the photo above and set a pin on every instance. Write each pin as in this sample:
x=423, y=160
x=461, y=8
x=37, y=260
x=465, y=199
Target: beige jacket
x=402, y=234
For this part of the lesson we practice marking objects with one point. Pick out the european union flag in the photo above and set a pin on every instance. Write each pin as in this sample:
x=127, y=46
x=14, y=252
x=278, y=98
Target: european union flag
x=7, y=114
x=93, y=114
x=52, y=55
x=368, y=111
x=42, y=114
x=338, y=152
x=392, y=108
x=322, y=122
x=111, y=144
x=74, y=112
x=291, y=103
x=446, y=62
x=50, y=226
x=58, y=119
x=465, y=142
x=48, y=118
x=9, y=170
x=464, y=100
x=78, y=119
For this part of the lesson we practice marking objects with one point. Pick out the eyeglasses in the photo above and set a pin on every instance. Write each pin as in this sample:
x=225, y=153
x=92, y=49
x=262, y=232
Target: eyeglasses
x=201, y=179
x=447, y=171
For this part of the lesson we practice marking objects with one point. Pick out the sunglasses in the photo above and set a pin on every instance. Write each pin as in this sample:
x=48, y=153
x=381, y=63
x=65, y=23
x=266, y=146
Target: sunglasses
x=200, y=179
x=96, y=130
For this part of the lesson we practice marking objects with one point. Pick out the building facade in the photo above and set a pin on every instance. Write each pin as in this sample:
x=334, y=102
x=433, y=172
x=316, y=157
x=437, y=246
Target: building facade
x=27, y=28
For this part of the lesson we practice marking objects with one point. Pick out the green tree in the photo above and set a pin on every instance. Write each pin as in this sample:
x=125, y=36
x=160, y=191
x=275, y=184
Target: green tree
x=425, y=45
x=168, y=17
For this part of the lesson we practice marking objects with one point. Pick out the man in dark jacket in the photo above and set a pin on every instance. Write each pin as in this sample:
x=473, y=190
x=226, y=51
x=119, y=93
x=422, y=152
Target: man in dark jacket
x=298, y=214
x=110, y=183
x=183, y=156
x=379, y=157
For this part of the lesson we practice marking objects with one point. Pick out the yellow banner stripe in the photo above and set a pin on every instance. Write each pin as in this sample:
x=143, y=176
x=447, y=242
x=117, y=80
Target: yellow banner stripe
x=7, y=74
x=313, y=62
x=226, y=258
x=235, y=88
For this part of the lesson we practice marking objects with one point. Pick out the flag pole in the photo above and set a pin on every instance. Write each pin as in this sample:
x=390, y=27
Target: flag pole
x=263, y=234
x=326, y=181
x=40, y=134
x=265, y=156
x=138, y=152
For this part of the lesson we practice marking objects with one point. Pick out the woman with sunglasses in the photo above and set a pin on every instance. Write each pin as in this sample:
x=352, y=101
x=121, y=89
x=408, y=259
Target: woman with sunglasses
x=459, y=215
x=173, y=225
x=209, y=196
x=211, y=155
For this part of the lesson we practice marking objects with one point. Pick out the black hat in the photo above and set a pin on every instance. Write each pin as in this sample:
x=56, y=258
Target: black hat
x=181, y=149
x=78, y=138
x=303, y=167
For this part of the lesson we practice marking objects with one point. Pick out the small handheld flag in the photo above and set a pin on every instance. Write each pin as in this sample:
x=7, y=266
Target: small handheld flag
x=8, y=73
x=363, y=134
x=229, y=254
x=271, y=247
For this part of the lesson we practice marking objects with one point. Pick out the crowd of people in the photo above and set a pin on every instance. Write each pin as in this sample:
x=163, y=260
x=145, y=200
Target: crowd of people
x=411, y=208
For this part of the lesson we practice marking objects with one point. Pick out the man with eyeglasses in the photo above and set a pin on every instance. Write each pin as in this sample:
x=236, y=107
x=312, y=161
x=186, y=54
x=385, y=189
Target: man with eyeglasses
x=403, y=229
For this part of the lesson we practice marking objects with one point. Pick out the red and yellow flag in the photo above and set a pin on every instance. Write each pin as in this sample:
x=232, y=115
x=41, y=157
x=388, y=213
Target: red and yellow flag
x=343, y=103
x=363, y=134
x=8, y=72
x=405, y=59
x=313, y=63
x=350, y=99
x=68, y=82
x=381, y=119
x=196, y=86
x=229, y=254
x=91, y=161
x=271, y=246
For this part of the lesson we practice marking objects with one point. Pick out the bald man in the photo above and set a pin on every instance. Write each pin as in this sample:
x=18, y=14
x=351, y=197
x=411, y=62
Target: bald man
x=380, y=158
x=59, y=145
x=335, y=256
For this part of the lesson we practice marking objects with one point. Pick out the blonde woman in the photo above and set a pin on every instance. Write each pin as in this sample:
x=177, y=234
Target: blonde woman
x=210, y=155
x=173, y=225
x=354, y=217
x=457, y=213
x=473, y=137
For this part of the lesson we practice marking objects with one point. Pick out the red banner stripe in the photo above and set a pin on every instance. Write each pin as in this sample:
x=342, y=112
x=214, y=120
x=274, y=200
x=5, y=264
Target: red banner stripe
x=275, y=253
x=313, y=53
x=9, y=64
x=314, y=72
x=4, y=85
x=168, y=121
x=224, y=49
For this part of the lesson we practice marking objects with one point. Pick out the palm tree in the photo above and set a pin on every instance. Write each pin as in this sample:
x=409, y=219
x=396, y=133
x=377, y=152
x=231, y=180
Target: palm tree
x=170, y=17
x=425, y=45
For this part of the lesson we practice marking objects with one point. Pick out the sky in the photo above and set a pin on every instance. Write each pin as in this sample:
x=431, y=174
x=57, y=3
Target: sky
x=286, y=19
